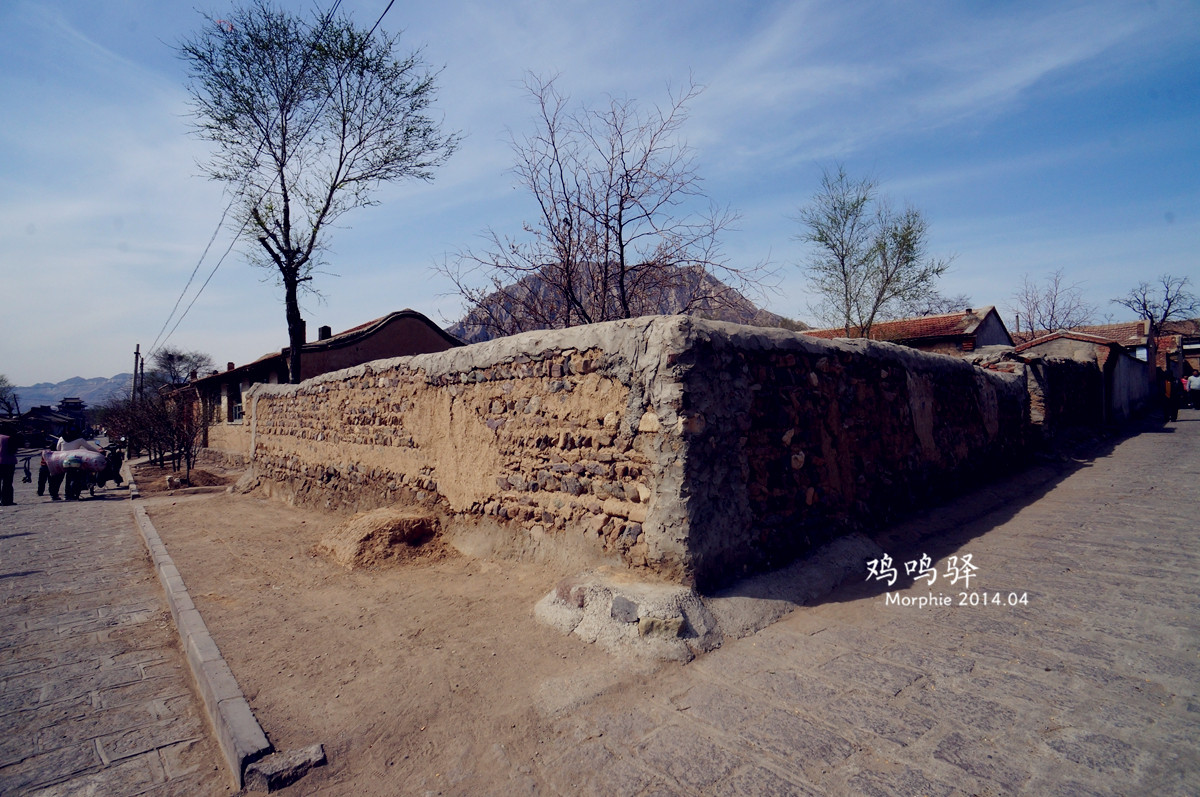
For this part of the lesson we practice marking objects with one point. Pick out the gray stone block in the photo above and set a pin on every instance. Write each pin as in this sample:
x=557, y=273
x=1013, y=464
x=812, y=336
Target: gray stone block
x=276, y=771
x=624, y=610
x=216, y=682
x=240, y=736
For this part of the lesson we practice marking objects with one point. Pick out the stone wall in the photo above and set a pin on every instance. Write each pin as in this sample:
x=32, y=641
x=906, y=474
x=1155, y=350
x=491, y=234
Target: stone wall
x=792, y=440
x=694, y=450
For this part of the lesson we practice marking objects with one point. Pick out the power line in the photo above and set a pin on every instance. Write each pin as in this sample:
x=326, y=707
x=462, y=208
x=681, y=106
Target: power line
x=325, y=22
x=192, y=276
x=362, y=48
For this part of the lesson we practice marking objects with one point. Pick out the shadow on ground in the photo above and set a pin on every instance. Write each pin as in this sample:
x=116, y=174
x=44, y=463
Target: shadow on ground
x=947, y=528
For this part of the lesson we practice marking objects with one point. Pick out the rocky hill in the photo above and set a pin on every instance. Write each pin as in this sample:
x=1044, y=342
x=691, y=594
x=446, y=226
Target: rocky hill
x=93, y=391
x=721, y=303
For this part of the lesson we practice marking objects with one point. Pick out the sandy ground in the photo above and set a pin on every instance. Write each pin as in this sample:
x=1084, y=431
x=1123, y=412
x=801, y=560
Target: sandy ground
x=426, y=676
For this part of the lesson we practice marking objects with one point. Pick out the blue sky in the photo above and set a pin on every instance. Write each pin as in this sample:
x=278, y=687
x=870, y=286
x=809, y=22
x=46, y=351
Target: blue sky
x=1034, y=136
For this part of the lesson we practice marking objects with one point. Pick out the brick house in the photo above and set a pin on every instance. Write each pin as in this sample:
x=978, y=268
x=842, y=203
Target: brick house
x=1188, y=332
x=950, y=333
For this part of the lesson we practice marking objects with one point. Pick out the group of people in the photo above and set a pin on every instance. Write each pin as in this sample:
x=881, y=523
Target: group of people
x=1183, y=392
x=53, y=471
x=76, y=478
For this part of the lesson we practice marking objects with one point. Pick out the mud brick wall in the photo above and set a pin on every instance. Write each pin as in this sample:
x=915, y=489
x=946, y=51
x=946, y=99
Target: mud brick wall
x=695, y=450
x=545, y=435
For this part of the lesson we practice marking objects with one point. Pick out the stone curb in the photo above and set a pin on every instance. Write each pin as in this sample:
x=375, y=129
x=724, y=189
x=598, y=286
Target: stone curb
x=127, y=475
x=240, y=736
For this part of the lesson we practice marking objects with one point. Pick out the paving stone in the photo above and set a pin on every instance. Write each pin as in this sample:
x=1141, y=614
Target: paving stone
x=799, y=739
x=761, y=782
x=92, y=724
x=134, y=775
x=49, y=767
x=722, y=708
x=691, y=760
x=92, y=682
x=895, y=723
x=984, y=761
x=857, y=669
x=1096, y=751
x=1090, y=688
x=900, y=782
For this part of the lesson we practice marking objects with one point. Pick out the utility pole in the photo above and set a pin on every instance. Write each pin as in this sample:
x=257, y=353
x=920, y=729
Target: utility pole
x=130, y=446
x=137, y=356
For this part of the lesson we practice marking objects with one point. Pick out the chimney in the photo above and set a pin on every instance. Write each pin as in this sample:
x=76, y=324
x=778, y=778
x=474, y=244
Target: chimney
x=228, y=367
x=324, y=333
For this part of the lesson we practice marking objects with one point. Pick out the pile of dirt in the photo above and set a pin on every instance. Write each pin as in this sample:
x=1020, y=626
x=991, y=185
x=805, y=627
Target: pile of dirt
x=153, y=478
x=371, y=538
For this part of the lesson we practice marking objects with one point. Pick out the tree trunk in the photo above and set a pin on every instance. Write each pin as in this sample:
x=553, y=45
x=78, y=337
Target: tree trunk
x=296, y=332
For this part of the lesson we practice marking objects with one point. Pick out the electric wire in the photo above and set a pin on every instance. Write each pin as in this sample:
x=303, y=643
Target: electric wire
x=325, y=22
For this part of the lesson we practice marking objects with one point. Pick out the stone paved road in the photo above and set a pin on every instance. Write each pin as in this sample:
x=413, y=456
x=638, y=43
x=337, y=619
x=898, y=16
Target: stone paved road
x=1088, y=689
x=94, y=692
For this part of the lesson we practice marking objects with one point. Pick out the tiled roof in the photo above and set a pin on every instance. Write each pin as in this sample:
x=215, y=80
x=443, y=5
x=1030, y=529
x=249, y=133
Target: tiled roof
x=1129, y=333
x=933, y=326
x=1024, y=337
x=1189, y=327
x=1069, y=334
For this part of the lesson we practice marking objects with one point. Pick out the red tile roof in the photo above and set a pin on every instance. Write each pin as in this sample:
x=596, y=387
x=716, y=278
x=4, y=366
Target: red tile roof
x=934, y=326
x=1069, y=334
x=1129, y=333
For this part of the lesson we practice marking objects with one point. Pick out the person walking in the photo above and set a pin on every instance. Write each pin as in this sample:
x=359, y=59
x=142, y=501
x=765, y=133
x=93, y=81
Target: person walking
x=8, y=463
x=1194, y=390
x=47, y=478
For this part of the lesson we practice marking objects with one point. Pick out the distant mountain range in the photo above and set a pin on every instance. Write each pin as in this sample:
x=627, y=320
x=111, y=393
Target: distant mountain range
x=93, y=391
x=720, y=302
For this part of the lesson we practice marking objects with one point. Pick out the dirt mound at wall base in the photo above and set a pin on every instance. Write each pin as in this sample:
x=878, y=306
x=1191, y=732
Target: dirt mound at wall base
x=153, y=478
x=372, y=538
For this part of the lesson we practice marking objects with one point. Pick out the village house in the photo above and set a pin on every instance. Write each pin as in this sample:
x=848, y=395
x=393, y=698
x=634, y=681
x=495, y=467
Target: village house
x=43, y=425
x=1127, y=380
x=398, y=334
x=1188, y=332
x=949, y=333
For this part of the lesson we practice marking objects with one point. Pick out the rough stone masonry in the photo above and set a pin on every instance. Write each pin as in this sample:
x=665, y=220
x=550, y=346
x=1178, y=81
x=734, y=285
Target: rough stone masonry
x=694, y=450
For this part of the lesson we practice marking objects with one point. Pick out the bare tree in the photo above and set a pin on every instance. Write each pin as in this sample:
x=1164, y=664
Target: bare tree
x=1168, y=299
x=869, y=261
x=167, y=416
x=174, y=366
x=10, y=401
x=936, y=304
x=1050, y=304
x=308, y=116
x=613, y=236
